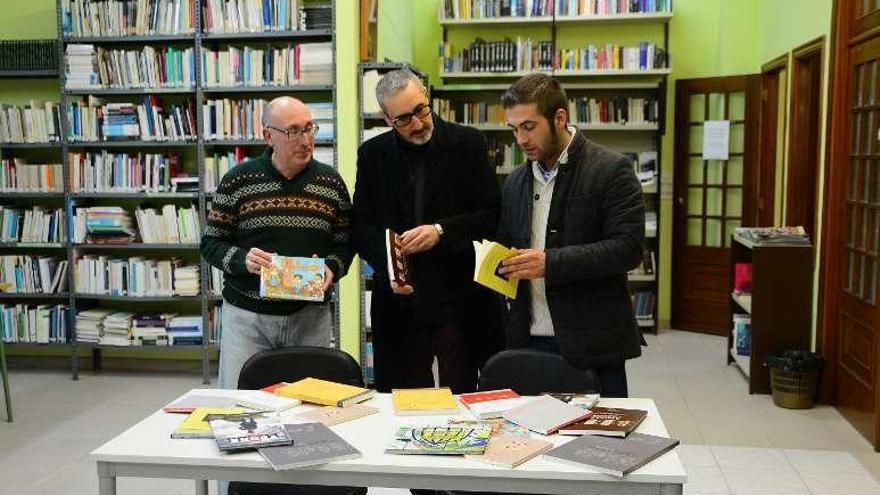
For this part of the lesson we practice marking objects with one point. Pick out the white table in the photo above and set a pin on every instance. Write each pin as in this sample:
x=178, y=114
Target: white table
x=146, y=450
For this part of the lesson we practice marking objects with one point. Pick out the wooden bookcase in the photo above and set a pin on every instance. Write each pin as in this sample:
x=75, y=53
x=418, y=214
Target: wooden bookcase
x=780, y=305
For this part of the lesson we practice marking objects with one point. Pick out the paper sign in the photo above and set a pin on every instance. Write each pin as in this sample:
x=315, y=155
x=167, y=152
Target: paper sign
x=716, y=139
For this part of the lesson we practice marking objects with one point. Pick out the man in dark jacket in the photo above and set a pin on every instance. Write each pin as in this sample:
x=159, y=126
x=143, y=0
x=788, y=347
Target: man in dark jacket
x=429, y=181
x=575, y=213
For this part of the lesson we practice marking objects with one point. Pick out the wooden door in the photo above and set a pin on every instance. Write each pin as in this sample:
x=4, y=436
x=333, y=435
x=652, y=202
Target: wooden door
x=771, y=140
x=710, y=197
x=850, y=319
x=804, y=131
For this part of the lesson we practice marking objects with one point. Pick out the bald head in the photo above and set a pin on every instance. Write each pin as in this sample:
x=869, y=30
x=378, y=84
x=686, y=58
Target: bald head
x=283, y=111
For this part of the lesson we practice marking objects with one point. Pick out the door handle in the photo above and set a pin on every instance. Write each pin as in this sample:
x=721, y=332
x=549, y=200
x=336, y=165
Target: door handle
x=680, y=200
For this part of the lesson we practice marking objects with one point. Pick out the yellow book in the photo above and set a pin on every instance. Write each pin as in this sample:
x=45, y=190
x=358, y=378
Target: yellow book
x=196, y=426
x=410, y=401
x=325, y=392
x=488, y=258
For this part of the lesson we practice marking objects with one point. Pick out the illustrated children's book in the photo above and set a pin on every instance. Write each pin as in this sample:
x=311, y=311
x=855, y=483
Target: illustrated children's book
x=439, y=440
x=292, y=277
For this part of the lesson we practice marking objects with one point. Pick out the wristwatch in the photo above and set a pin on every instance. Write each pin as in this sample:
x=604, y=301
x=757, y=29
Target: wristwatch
x=439, y=229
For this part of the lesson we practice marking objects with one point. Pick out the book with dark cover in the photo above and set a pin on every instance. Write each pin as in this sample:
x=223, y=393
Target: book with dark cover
x=607, y=421
x=399, y=267
x=614, y=456
x=439, y=440
x=313, y=443
x=248, y=431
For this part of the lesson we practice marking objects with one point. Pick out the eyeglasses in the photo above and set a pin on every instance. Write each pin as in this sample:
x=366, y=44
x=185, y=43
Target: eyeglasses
x=297, y=132
x=421, y=111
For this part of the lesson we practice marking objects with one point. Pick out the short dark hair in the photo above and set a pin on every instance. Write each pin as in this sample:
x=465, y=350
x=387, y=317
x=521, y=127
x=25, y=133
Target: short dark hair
x=540, y=89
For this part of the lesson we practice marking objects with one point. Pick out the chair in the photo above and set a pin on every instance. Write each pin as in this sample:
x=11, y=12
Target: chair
x=532, y=372
x=292, y=364
x=7, y=398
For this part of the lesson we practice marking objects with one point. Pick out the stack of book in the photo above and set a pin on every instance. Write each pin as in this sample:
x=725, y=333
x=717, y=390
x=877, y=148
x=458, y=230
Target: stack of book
x=186, y=280
x=498, y=56
x=613, y=110
x=127, y=17
x=233, y=119
x=612, y=56
x=185, y=330
x=172, y=226
x=149, y=328
x=36, y=122
x=250, y=16
x=40, y=324
x=773, y=235
x=91, y=119
x=103, y=225
x=108, y=171
x=117, y=329
x=315, y=63
x=32, y=274
x=81, y=71
x=35, y=225
x=148, y=67
x=323, y=114
x=16, y=175
x=90, y=325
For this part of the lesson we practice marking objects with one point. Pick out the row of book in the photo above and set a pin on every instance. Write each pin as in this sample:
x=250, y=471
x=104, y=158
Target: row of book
x=36, y=225
x=147, y=67
x=645, y=56
x=122, y=328
x=112, y=225
x=17, y=175
x=306, y=63
x=23, y=274
x=127, y=17
x=251, y=16
x=580, y=110
x=27, y=55
x=497, y=56
x=36, y=122
x=492, y=9
x=643, y=304
x=108, y=171
x=218, y=164
x=243, y=119
x=92, y=119
x=34, y=323
x=135, y=276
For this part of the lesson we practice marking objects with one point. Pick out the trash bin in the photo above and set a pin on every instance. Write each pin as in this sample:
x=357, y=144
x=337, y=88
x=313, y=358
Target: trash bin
x=793, y=378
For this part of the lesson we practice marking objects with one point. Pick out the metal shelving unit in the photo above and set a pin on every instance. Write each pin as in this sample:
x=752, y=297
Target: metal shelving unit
x=206, y=300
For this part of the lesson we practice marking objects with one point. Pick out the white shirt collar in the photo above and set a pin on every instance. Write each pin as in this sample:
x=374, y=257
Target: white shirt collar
x=548, y=175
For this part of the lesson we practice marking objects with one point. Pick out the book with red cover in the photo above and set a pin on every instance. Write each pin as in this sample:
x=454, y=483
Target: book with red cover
x=491, y=403
x=607, y=421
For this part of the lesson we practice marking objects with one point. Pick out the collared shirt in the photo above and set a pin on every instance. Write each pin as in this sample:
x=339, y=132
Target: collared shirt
x=542, y=324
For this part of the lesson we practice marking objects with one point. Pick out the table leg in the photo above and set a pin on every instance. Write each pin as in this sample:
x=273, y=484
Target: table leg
x=671, y=489
x=106, y=479
x=201, y=487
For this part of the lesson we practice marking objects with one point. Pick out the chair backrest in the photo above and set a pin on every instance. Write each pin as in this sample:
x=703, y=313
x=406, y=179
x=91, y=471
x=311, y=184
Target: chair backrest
x=532, y=372
x=295, y=363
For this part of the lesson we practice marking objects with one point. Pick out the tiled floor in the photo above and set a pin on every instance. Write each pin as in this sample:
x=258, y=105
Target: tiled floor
x=733, y=443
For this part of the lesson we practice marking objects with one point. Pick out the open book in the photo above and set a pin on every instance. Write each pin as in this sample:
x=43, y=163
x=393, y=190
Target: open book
x=399, y=267
x=488, y=258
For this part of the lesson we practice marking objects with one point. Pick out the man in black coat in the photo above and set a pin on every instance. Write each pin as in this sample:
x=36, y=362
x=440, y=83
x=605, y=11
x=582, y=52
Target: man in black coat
x=429, y=181
x=575, y=213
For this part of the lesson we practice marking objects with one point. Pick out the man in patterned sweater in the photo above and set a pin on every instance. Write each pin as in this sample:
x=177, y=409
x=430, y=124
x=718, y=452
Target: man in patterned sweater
x=285, y=203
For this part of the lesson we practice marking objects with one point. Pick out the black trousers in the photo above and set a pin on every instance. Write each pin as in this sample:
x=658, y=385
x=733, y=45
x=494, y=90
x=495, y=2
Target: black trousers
x=404, y=347
x=611, y=377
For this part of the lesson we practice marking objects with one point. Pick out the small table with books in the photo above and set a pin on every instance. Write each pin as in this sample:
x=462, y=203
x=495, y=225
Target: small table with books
x=147, y=450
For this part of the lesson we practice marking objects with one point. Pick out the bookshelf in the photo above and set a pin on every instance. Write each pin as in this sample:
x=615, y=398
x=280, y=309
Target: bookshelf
x=778, y=306
x=193, y=152
x=473, y=97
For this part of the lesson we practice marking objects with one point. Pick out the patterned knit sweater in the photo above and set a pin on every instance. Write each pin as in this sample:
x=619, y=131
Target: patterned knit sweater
x=256, y=206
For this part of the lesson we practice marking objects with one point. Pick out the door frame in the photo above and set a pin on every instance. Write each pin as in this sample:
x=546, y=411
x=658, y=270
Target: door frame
x=803, y=136
x=763, y=181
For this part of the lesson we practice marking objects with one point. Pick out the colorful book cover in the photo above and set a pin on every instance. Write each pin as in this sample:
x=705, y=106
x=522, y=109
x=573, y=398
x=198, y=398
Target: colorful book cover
x=498, y=426
x=439, y=440
x=248, y=431
x=295, y=278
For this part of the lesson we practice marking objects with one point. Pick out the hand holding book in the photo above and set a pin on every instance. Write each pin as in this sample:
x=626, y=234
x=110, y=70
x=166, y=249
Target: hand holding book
x=256, y=259
x=526, y=263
